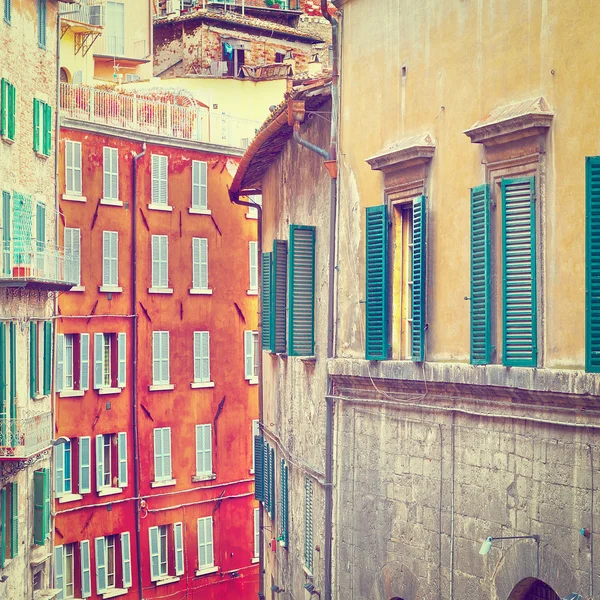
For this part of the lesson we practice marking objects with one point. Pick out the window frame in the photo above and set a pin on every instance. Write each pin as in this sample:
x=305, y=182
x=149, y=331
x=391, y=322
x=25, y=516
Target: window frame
x=72, y=246
x=42, y=24
x=74, y=170
x=110, y=193
x=164, y=433
x=204, y=525
x=159, y=197
x=201, y=342
x=110, y=260
x=200, y=283
x=159, y=362
x=199, y=185
x=204, y=450
x=159, y=248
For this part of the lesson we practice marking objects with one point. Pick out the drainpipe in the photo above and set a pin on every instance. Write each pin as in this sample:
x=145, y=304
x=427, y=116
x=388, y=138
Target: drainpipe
x=134, y=410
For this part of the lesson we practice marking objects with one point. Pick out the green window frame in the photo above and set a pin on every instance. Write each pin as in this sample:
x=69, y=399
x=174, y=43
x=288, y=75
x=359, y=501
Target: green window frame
x=265, y=298
x=592, y=264
x=41, y=506
x=279, y=295
x=42, y=24
x=12, y=412
x=8, y=109
x=3, y=528
x=3, y=377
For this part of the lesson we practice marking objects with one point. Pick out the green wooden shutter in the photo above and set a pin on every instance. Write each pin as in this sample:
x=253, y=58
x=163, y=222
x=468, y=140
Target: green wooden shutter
x=40, y=506
x=419, y=289
x=12, y=413
x=2, y=527
x=3, y=378
x=279, y=295
x=33, y=359
x=592, y=264
x=42, y=24
x=480, y=276
x=267, y=475
x=266, y=301
x=376, y=344
x=12, y=112
x=47, y=356
x=47, y=129
x=3, y=106
x=301, y=334
x=36, y=125
x=259, y=470
x=284, y=503
x=272, y=483
x=14, y=519
x=519, y=318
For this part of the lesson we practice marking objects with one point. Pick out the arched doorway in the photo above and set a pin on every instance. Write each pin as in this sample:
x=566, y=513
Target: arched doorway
x=533, y=589
x=64, y=75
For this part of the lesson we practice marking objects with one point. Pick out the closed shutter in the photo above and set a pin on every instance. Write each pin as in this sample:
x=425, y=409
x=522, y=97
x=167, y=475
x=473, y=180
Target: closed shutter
x=85, y=483
x=6, y=230
x=122, y=453
x=253, y=262
x=592, y=264
x=201, y=356
x=205, y=542
x=248, y=355
x=279, y=295
x=84, y=361
x=284, y=503
x=203, y=450
x=166, y=447
x=98, y=361
x=266, y=301
x=59, y=576
x=122, y=357
x=308, y=524
x=2, y=528
x=302, y=291
x=60, y=362
x=59, y=469
x=272, y=482
x=154, y=553
x=256, y=532
x=41, y=506
x=199, y=175
x=47, y=357
x=106, y=179
x=69, y=166
x=12, y=412
x=3, y=374
x=33, y=359
x=480, y=276
x=47, y=128
x=114, y=253
x=126, y=559
x=42, y=24
x=159, y=180
x=178, y=544
x=100, y=565
x=99, y=462
x=14, y=519
x=12, y=111
x=73, y=255
x=259, y=471
x=419, y=290
x=73, y=167
x=158, y=463
x=86, y=583
x=200, y=263
x=36, y=125
x=519, y=310
x=106, y=262
x=267, y=478
x=165, y=371
x=377, y=283
x=3, y=104
x=111, y=173
x=160, y=261
x=77, y=168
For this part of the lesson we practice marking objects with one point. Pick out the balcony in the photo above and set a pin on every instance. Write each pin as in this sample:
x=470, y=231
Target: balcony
x=118, y=47
x=155, y=117
x=22, y=438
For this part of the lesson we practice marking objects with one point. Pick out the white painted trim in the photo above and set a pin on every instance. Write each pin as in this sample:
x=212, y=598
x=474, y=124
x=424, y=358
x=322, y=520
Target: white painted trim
x=110, y=289
x=107, y=391
x=152, y=290
x=253, y=381
x=201, y=292
x=163, y=207
x=251, y=217
x=78, y=288
x=202, y=384
x=69, y=498
x=110, y=491
x=73, y=198
x=114, y=593
x=252, y=292
x=203, y=477
x=254, y=560
x=109, y=202
x=165, y=580
x=206, y=571
x=71, y=393
x=163, y=387
x=168, y=482
x=199, y=211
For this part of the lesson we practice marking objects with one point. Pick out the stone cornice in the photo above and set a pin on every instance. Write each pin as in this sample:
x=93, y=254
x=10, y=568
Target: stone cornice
x=404, y=153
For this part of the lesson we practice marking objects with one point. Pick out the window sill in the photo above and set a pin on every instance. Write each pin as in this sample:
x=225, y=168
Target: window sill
x=202, y=384
x=114, y=593
x=206, y=571
x=307, y=359
x=166, y=483
x=74, y=198
x=71, y=394
x=251, y=471
x=7, y=140
x=109, y=491
x=201, y=292
x=40, y=397
x=108, y=391
x=166, y=580
x=198, y=477
x=161, y=387
x=69, y=498
x=253, y=381
x=109, y=202
x=163, y=207
x=153, y=290
x=199, y=211
x=78, y=288
x=110, y=289
x=253, y=217
x=307, y=572
x=252, y=292
x=254, y=560
x=41, y=155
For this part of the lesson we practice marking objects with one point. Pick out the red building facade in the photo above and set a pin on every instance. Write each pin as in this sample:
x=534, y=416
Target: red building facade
x=155, y=371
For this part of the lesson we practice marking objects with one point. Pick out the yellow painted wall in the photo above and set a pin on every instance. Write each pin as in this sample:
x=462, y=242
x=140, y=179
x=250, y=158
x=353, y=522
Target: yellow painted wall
x=76, y=62
x=462, y=60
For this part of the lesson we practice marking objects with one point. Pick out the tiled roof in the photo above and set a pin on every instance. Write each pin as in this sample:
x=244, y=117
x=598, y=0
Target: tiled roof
x=313, y=8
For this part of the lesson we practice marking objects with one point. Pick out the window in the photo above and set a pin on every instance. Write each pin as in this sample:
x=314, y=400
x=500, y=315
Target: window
x=110, y=260
x=72, y=362
x=201, y=357
x=73, y=168
x=592, y=264
x=253, y=256
x=42, y=24
x=42, y=125
x=40, y=238
x=7, y=10
x=64, y=570
x=255, y=432
x=259, y=467
x=199, y=185
x=308, y=524
x=284, y=511
x=160, y=358
x=9, y=434
x=256, y=532
x=233, y=54
x=111, y=462
x=160, y=262
x=251, y=356
x=84, y=555
x=115, y=28
x=85, y=477
x=73, y=255
x=40, y=358
x=206, y=558
x=9, y=520
x=274, y=297
x=113, y=562
x=8, y=103
x=253, y=212
x=110, y=361
x=269, y=479
x=160, y=188
x=163, y=564
x=199, y=264
x=63, y=476
x=111, y=174
x=41, y=506
x=162, y=454
x=279, y=57
x=6, y=263
x=204, y=467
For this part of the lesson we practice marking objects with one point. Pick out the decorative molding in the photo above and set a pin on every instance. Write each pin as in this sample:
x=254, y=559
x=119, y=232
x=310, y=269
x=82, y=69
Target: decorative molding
x=407, y=152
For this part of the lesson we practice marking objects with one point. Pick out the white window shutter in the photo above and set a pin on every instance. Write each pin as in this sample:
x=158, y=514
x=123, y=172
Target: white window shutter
x=158, y=453
x=156, y=357
x=164, y=186
x=155, y=179
x=106, y=174
x=253, y=259
x=122, y=356
x=203, y=185
x=164, y=262
x=115, y=258
x=257, y=532
x=69, y=166
x=126, y=559
x=106, y=262
x=154, y=555
x=122, y=453
x=205, y=542
x=76, y=255
x=195, y=263
x=165, y=371
x=84, y=361
x=59, y=469
x=85, y=484
x=205, y=353
x=100, y=565
x=60, y=362
x=114, y=173
x=155, y=260
x=197, y=356
x=203, y=264
x=166, y=443
x=77, y=168
x=86, y=583
x=59, y=575
x=99, y=462
x=196, y=184
x=98, y=351
x=178, y=535
x=249, y=354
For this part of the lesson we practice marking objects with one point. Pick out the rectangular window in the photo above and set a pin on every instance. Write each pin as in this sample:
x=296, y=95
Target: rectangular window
x=159, y=180
x=73, y=255
x=308, y=524
x=162, y=454
x=63, y=478
x=110, y=173
x=160, y=261
x=111, y=461
x=72, y=362
x=8, y=102
x=592, y=264
x=201, y=357
x=199, y=185
x=85, y=454
x=206, y=558
x=253, y=212
x=41, y=506
x=159, y=552
x=64, y=570
x=256, y=532
x=113, y=563
x=203, y=450
x=115, y=28
x=9, y=522
x=199, y=263
x=110, y=258
x=253, y=261
x=278, y=299
x=255, y=432
x=42, y=24
x=105, y=360
x=251, y=356
x=160, y=358
x=42, y=126
x=73, y=168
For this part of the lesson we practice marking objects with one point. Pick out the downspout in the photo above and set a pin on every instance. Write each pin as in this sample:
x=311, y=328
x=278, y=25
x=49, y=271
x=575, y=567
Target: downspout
x=134, y=410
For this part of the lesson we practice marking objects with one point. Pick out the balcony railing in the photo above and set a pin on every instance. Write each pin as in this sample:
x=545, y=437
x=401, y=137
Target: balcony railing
x=24, y=437
x=111, y=45
x=85, y=11
x=138, y=113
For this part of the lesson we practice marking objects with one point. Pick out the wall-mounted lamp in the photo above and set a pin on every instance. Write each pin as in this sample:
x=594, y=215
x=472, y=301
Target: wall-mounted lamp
x=574, y=597
x=487, y=545
x=310, y=588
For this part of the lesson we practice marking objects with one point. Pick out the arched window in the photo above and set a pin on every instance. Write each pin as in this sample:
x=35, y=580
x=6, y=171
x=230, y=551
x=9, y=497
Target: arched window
x=64, y=75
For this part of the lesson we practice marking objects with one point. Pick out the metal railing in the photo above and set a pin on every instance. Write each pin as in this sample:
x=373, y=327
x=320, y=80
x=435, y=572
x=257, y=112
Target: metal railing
x=111, y=45
x=138, y=113
x=86, y=11
x=23, y=437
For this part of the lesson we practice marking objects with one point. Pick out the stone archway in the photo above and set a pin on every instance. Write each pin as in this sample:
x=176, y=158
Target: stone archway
x=533, y=589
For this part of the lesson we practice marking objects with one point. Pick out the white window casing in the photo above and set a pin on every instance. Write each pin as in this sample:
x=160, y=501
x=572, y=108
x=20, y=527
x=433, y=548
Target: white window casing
x=206, y=558
x=201, y=356
x=85, y=479
x=200, y=263
x=204, y=465
x=73, y=168
x=199, y=185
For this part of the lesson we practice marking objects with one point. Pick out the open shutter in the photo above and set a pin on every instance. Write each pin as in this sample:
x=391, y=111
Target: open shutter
x=99, y=462
x=14, y=519
x=205, y=350
x=100, y=565
x=41, y=506
x=155, y=179
x=480, y=276
x=59, y=576
x=36, y=125
x=114, y=173
x=154, y=557
x=47, y=129
x=126, y=559
x=253, y=263
x=106, y=173
x=166, y=447
x=377, y=283
x=122, y=450
x=266, y=301
x=419, y=290
x=272, y=482
x=59, y=469
x=259, y=471
x=3, y=105
x=84, y=361
x=86, y=584
x=164, y=262
x=47, y=357
x=519, y=311
x=279, y=295
x=267, y=476
x=203, y=255
x=284, y=503
x=203, y=186
x=60, y=362
x=165, y=371
x=158, y=463
x=33, y=359
x=592, y=264
x=164, y=189
x=155, y=261
x=248, y=355
x=12, y=111
x=85, y=483
x=121, y=348
x=178, y=543
x=98, y=343
x=302, y=291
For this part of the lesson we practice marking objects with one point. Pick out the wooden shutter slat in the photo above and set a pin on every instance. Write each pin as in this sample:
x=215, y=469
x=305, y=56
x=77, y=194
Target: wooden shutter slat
x=85, y=484
x=279, y=295
x=84, y=361
x=419, y=288
x=592, y=264
x=122, y=456
x=86, y=584
x=266, y=301
x=259, y=474
x=47, y=357
x=126, y=559
x=14, y=519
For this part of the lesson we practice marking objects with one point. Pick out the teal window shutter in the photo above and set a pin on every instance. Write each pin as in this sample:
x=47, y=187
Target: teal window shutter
x=2, y=527
x=47, y=129
x=14, y=519
x=33, y=359
x=301, y=308
x=419, y=288
x=3, y=374
x=519, y=311
x=279, y=295
x=272, y=482
x=12, y=111
x=40, y=506
x=480, y=276
x=267, y=476
x=7, y=11
x=47, y=357
x=3, y=107
x=42, y=24
x=259, y=469
x=377, y=314
x=592, y=264
x=12, y=413
x=36, y=125
x=284, y=504
x=266, y=301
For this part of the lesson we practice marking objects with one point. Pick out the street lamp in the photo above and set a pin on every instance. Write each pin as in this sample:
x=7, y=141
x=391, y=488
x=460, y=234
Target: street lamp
x=487, y=545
